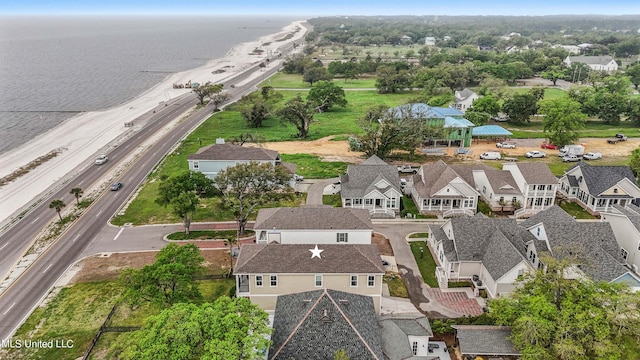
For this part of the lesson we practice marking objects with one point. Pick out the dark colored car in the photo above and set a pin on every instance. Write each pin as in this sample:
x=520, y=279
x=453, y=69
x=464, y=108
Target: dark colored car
x=116, y=186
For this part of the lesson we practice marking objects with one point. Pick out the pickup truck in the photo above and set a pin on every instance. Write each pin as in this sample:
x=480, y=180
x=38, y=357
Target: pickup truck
x=592, y=156
x=619, y=137
x=506, y=145
x=407, y=169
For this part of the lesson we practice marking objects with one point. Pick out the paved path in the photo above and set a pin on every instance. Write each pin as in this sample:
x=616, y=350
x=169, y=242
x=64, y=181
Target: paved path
x=316, y=190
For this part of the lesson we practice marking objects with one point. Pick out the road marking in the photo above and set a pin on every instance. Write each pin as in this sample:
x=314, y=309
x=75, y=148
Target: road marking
x=75, y=238
x=127, y=145
x=36, y=219
x=80, y=183
x=154, y=154
x=99, y=212
x=3, y=246
x=45, y=270
x=5, y=313
x=118, y=234
x=143, y=164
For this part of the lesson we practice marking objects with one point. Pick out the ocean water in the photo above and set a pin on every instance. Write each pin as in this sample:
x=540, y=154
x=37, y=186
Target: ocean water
x=55, y=67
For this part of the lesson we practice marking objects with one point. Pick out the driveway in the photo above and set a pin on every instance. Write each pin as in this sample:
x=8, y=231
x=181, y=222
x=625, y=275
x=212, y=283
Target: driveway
x=316, y=190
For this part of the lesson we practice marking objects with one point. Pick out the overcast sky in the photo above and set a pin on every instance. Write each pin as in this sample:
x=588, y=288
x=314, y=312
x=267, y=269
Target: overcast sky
x=322, y=7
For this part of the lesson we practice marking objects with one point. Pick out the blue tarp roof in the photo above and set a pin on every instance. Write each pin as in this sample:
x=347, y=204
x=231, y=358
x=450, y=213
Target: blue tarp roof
x=450, y=122
x=490, y=130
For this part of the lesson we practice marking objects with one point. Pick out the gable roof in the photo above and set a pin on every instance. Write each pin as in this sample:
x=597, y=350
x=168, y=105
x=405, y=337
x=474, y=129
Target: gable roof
x=434, y=177
x=316, y=324
x=296, y=259
x=360, y=179
x=536, y=173
x=320, y=217
x=233, y=152
x=591, y=60
x=485, y=340
x=600, y=178
x=396, y=330
x=464, y=94
x=502, y=182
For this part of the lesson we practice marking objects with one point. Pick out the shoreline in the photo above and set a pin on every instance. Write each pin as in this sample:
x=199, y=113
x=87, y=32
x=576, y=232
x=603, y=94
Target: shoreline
x=83, y=136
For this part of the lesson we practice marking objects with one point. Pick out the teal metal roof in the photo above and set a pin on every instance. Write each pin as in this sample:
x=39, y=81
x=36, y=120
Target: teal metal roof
x=490, y=130
x=451, y=122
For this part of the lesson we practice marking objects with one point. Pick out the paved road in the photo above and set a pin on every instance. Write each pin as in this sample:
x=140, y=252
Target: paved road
x=19, y=300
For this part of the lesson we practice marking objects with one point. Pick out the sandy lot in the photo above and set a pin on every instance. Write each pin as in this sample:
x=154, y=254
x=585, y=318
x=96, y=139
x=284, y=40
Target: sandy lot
x=329, y=150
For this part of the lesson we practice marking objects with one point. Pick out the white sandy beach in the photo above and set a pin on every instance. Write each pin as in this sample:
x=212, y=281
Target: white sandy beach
x=86, y=135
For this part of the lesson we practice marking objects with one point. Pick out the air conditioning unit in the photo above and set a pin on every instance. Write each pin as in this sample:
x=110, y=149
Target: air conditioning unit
x=476, y=278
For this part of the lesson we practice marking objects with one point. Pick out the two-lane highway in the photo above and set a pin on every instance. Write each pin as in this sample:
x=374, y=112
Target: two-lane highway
x=18, y=301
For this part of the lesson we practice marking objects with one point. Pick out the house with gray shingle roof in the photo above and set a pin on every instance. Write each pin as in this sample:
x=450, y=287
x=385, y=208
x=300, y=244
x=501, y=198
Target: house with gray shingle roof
x=597, y=63
x=598, y=188
x=464, y=99
x=212, y=159
x=537, y=185
x=498, y=251
x=625, y=222
x=405, y=336
x=438, y=188
x=485, y=340
x=498, y=189
x=317, y=324
x=313, y=224
x=263, y=272
x=373, y=185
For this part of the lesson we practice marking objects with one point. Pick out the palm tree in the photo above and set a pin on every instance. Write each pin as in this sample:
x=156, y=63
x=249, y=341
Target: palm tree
x=57, y=204
x=77, y=192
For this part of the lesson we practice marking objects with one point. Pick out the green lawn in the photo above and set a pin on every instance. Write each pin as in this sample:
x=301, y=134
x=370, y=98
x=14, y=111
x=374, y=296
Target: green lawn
x=409, y=207
x=592, y=129
x=549, y=92
x=206, y=234
x=334, y=200
x=294, y=81
x=396, y=286
x=576, y=210
x=425, y=261
x=418, y=235
x=311, y=167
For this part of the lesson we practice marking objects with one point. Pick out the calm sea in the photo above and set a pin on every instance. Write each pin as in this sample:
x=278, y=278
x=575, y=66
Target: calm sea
x=52, y=68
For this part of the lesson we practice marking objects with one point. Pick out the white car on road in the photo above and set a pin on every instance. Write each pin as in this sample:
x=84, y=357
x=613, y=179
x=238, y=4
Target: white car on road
x=101, y=159
x=536, y=154
x=592, y=156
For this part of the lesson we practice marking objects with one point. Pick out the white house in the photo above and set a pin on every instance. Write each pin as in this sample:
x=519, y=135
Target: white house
x=625, y=222
x=464, y=99
x=438, y=188
x=430, y=41
x=212, y=159
x=598, y=188
x=537, y=185
x=373, y=185
x=498, y=189
x=405, y=336
x=597, y=63
x=313, y=224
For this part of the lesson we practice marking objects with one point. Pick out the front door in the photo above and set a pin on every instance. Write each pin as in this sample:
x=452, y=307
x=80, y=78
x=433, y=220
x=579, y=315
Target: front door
x=378, y=202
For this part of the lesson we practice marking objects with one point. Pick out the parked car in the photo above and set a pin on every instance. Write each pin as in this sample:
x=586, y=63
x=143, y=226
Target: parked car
x=101, y=159
x=570, y=158
x=407, y=169
x=506, y=145
x=622, y=137
x=116, y=186
x=490, y=155
x=546, y=145
x=536, y=154
x=592, y=156
x=500, y=118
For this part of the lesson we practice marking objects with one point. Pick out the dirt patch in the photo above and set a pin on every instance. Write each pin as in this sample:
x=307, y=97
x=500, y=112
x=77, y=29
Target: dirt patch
x=100, y=268
x=329, y=150
x=383, y=244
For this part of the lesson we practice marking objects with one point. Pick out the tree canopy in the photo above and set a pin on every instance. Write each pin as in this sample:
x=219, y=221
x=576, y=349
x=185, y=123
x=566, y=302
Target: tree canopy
x=520, y=107
x=244, y=187
x=299, y=113
x=563, y=117
x=257, y=106
x=169, y=280
x=554, y=317
x=225, y=329
x=326, y=94
x=182, y=194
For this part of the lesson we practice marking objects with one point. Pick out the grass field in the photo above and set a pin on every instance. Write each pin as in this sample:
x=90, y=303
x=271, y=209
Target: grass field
x=294, y=81
x=425, y=261
x=334, y=200
x=311, y=167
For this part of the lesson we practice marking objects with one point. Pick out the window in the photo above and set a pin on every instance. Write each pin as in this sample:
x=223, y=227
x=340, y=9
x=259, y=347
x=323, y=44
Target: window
x=615, y=191
x=459, y=132
x=513, y=200
x=624, y=253
x=639, y=246
x=549, y=187
x=532, y=256
x=368, y=201
x=342, y=237
x=354, y=280
x=357, y=201
x=540, y=187
x=538, y=201
x=273, y=280
x=371, y=280
x=347, y=202
x=501, y=199
x=393, y=203
x=547, y=201
x=259, y=280
x=484, y=189
x=414, y=348
x=318, y=280
x=196, y=164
